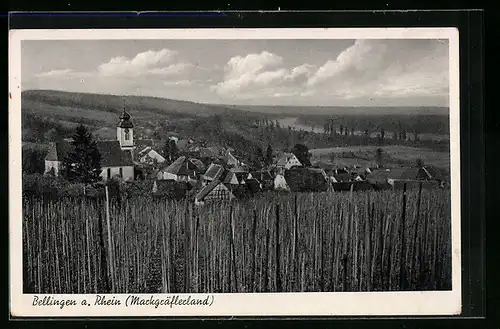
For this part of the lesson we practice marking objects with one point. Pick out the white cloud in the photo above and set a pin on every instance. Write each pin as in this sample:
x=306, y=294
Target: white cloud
x=62, y=74
x=262, y=72
x=141, y=64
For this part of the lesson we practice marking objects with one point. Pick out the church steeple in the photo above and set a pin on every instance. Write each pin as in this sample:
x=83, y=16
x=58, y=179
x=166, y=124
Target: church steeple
x=125, y=131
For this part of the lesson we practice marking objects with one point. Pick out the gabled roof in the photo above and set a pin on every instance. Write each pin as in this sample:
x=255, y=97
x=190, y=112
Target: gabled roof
x=214, y=171
x=112, y=154
x=183, y=166
x=285, y=158
x=207, y=189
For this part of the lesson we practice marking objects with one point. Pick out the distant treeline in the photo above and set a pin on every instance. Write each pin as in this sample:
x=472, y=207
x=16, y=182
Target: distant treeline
x=423, y=124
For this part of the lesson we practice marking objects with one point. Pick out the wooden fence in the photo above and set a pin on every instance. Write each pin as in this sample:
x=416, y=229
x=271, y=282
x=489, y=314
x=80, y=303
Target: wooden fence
x=358, y=241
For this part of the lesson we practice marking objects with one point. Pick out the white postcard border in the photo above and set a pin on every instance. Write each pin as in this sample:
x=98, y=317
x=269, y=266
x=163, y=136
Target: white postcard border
x=250, y=304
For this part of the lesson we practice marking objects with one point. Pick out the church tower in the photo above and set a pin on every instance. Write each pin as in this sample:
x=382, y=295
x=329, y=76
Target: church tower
x=125, y=132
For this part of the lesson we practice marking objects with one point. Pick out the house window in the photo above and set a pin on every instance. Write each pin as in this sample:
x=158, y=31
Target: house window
x=121, y=172
x=109, y=173
x=127, y=134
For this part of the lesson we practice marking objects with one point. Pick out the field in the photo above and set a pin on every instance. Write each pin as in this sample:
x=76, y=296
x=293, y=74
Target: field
x=393, y=154
x=361, y=241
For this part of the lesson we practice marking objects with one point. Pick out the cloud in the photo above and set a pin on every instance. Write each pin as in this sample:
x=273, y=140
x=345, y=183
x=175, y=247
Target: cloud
x=262, y=72
x=61, y=74
x=159, y=62
x=384, y=68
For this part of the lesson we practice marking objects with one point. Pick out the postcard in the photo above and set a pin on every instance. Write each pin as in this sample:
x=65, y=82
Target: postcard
x=234, y=172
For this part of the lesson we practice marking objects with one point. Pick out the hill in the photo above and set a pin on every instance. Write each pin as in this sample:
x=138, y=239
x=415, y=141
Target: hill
x=62, y=101
x=344, y=110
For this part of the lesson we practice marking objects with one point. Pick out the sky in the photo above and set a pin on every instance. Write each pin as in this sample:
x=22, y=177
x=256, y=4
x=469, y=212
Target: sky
x=363, y=72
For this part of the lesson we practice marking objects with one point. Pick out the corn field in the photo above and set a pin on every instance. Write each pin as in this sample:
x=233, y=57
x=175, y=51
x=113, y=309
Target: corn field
x=354, y=241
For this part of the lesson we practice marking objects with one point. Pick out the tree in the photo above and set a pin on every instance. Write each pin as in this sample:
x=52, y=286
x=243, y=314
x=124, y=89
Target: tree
x=379, y=157
x=259, y=157
x=170, y=151
x=352, y=131
x=302, y=153
x=332, y=158
x=83, y=162
x=269, y=155
x=382, y=133
x=341, y=129
x=415, y=134
x=420, y=163
x=33, y=160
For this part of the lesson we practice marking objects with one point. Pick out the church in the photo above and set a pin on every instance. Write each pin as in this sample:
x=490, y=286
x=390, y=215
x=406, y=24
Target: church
x=117, y=156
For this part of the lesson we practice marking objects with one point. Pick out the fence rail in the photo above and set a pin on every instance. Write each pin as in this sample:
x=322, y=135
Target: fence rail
x=361, y=241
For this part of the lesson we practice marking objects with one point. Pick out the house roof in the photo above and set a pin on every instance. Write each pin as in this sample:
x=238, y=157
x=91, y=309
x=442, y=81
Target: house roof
x=110, y=151
x=199, y=165
x=112, y=154
x=283, y=160
x=181, y=166
x=214, y=171
x=262, y=175
x=207, y=189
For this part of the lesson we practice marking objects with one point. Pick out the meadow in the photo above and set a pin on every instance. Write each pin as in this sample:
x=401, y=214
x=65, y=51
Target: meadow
x=393, y=154
x=354, y=241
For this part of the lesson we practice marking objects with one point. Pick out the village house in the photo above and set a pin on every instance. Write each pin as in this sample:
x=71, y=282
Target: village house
x=214, y=191
x=288, y=161
x=212, y=173
x=280, y=183
x=149, y=156
x=116, y=155
x=182, y=169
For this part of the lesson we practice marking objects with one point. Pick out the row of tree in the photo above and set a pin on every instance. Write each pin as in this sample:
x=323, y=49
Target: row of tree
x=400, y=134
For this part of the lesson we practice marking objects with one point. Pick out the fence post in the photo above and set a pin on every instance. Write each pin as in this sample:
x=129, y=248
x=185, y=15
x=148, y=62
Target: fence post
x=110, y=244
x=294, y=245
x=415, y=235
x=233, y=253
x=277, y=249
x=403, y=246
x=254, y=249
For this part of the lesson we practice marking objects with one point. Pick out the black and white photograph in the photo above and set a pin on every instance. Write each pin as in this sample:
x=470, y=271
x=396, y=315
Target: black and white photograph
x=233, y=165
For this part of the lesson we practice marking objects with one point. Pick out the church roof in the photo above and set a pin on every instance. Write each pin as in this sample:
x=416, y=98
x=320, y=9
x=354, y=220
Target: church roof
x=110, y=151
x=112, y=154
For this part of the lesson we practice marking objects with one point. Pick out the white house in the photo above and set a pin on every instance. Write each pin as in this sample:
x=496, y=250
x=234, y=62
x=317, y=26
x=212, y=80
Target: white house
x=216, y=190
x=287, y=161
x=150, y=156
x=280, y=183
x=182, y=169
